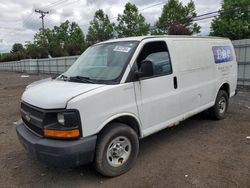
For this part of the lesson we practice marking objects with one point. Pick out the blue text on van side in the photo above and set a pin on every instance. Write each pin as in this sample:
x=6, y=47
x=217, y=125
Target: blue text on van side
x=222, y=54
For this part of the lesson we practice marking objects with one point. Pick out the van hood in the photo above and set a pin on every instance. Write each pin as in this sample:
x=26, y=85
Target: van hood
x=52, y=94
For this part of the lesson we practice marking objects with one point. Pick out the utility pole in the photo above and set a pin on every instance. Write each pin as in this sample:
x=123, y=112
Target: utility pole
x=43, y=13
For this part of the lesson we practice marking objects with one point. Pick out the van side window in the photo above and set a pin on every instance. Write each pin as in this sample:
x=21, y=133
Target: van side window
x=157, y=53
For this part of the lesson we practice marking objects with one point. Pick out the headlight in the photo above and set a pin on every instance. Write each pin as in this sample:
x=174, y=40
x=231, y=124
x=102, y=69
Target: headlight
x=63, y=124
x=60, y=118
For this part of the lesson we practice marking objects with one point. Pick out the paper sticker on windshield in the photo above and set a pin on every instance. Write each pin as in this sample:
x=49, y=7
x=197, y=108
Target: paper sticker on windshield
x=222, y=54
x=122, y=49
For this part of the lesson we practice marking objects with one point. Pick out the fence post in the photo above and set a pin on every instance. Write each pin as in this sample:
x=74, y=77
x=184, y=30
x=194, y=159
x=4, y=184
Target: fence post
x=49, y=64
x=37, y=66
x=65, y=68
x=57, y=70
x=245, y=64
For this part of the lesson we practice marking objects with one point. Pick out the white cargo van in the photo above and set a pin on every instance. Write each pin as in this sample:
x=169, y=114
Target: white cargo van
x=120, y=91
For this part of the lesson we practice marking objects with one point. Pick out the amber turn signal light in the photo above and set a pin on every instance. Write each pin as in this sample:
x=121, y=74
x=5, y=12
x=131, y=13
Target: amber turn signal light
x=74, y=133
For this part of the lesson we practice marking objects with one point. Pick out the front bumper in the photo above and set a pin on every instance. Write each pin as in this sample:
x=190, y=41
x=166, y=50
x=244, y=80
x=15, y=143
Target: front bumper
x=59, y=153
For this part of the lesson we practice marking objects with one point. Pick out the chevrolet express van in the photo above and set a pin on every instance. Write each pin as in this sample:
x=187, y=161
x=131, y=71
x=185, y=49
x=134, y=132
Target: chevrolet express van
x=120, y=91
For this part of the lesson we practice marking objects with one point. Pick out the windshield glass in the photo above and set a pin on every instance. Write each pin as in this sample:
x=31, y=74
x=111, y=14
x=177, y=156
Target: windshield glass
x=103, y=62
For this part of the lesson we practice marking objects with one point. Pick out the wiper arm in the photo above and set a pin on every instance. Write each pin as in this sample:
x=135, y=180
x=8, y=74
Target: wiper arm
x=64, y=77
x=82, y=79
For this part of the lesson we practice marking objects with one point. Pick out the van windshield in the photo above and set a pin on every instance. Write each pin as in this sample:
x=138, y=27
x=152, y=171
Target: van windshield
x=102, y=63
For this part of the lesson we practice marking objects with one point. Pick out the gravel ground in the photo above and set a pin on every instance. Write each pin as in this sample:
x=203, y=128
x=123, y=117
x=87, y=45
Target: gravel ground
x=197, y=153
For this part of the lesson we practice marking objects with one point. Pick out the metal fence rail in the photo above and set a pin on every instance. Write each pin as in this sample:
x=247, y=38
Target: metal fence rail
x=45, y=66
x=61, y=64
x=242, y=49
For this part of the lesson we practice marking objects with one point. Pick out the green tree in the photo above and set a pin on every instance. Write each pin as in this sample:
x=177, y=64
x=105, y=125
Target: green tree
x=174, y=14
x=17, y=47
x=100, y=28
x=76, y=38
x=233, y=21
x=43, y=40
x=33, y=51
x=131, y=23
x=60, y=40
x=176, y=28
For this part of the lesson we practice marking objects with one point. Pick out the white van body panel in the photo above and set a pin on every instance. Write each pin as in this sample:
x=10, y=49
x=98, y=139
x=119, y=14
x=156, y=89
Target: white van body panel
x=154, y=103
x=196, y=75
x=100, y=106
x=53, y=94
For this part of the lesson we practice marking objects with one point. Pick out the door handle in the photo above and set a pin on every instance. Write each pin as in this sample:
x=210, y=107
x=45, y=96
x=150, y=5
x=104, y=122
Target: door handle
x=175, y=82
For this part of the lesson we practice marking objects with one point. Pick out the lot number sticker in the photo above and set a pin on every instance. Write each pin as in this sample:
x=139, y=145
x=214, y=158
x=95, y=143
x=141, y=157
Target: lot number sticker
x=122, y=49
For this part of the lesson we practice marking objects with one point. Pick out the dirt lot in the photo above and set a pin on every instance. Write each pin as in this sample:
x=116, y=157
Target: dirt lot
x=197, y=153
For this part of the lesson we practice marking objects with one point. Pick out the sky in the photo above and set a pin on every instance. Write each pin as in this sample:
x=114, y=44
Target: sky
x=19, y=22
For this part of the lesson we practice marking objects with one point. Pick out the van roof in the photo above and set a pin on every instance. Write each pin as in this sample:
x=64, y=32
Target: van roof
x=140, y=38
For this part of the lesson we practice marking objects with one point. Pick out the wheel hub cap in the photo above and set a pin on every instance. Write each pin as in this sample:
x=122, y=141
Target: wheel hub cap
x=222, y=105
x=118, y=151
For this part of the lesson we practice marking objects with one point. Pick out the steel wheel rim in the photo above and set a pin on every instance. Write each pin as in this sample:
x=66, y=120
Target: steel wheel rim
x=222, y=105
x=119, y=151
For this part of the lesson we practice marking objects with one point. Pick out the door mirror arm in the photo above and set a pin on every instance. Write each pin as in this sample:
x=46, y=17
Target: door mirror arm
x=137, y=75
x=145, y=70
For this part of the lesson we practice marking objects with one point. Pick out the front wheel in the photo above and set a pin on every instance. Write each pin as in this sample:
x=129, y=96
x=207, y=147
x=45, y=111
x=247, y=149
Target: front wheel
x=219, y=109
x=117, y=150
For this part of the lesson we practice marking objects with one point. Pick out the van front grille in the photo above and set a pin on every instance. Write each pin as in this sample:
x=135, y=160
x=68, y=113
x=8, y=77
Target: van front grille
x=32, y=117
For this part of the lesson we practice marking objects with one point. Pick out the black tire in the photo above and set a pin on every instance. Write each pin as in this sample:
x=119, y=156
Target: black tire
x=104, y=162
x=217, y=112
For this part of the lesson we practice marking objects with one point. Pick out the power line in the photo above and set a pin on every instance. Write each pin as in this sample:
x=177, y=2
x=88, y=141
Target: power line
x=199, y=19
x=218, y=12
x=140, y=10
x=63, y=5
x=207, y=15
x=56, y=22
x=154, y=5
x=27, y=18
x=11, y=28
x=56, y=3
x=51, y=22
x=30, y=21
x=31, y=15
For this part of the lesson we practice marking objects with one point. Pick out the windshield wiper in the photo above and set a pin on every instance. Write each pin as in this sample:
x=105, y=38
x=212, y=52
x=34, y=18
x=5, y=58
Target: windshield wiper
x=81, y=79
x=64, y=77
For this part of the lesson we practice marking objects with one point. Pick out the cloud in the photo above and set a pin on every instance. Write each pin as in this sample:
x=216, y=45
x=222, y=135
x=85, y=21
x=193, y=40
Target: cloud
x=19, y=22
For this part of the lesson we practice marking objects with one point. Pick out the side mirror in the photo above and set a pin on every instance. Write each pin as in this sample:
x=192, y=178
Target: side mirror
x=145, y=70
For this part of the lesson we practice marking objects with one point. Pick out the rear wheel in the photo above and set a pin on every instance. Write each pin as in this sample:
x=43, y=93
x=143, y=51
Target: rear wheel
x=117, y=150
x=218, y=111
